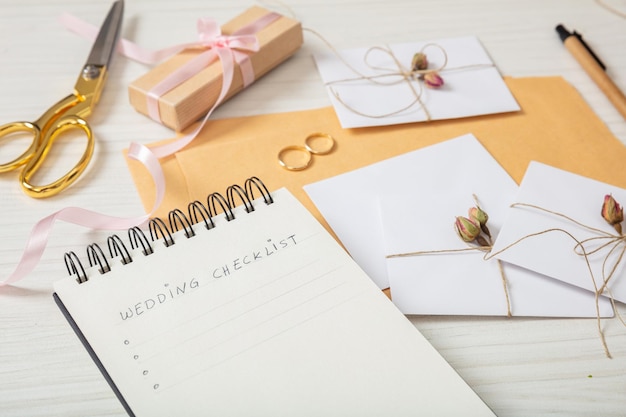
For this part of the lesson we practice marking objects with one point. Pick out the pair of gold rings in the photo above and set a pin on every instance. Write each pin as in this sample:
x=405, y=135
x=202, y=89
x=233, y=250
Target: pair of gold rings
x=297, y=158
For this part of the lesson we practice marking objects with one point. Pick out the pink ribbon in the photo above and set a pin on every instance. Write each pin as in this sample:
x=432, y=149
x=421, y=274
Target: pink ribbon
x=228, y=49
x=38, y=238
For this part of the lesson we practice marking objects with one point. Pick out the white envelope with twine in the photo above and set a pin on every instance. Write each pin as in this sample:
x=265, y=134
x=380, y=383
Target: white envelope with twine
x=555, y=211
x=443, y=276
x=375, y=86
x=409, y=190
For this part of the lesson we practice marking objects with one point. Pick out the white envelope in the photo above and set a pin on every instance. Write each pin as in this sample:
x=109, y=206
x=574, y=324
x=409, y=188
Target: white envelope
x=349, y=201
x=553, y=253
x=464, y=283
x=473, y=86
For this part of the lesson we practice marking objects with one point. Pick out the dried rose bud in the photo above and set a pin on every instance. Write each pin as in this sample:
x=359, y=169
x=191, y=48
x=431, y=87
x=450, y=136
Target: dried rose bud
x=481, y=217
x=419, y=62
x=612, y=212
x=467, y=229
x=432, y=80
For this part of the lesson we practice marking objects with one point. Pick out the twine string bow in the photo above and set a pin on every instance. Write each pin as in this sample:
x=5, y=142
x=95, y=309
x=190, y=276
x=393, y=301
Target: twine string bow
x=386, y=76
x=586, y=248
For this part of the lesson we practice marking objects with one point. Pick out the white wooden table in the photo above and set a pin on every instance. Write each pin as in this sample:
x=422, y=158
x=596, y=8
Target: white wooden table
x=520, y=367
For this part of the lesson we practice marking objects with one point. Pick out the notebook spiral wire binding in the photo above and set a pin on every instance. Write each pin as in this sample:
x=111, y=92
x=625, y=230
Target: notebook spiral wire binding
x=198, y=214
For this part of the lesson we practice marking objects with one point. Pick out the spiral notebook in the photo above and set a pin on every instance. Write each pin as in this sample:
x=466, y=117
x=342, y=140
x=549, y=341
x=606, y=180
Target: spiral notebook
x=245, y=306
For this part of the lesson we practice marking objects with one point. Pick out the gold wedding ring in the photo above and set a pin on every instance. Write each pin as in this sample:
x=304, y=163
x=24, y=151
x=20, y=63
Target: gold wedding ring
x=297, y=158
x=319, y=143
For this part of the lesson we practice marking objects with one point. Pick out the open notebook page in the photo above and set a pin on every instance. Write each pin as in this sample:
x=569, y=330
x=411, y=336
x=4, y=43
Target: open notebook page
x=262, y=315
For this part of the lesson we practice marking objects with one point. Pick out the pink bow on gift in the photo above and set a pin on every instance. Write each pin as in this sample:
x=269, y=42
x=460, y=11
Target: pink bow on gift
x=228, y=48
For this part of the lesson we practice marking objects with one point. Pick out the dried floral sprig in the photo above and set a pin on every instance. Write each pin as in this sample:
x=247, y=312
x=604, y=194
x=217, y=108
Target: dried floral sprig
x=613, y=213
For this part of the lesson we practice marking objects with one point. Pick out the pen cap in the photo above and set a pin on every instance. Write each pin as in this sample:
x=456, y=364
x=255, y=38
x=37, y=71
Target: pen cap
x=563, y=33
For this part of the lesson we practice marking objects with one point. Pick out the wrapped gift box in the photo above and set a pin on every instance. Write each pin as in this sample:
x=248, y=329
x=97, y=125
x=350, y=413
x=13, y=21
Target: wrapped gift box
x=191, y=99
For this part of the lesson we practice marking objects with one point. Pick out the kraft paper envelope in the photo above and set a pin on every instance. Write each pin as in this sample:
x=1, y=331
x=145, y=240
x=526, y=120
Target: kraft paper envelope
x=554, y=253
x=445, y=278
x=472, y=84
x=555, y=126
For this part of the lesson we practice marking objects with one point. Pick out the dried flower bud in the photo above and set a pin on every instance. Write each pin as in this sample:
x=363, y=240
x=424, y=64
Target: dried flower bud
x=481, y=217
x=467, y=229
x=612, y=212
x=419, y=62
x=432, y=80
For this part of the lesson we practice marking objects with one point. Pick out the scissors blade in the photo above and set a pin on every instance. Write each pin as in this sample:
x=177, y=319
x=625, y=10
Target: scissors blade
x=107, y=38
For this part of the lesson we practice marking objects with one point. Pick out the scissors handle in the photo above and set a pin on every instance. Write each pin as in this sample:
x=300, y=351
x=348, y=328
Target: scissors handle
x=35, y=163
x=8, y=131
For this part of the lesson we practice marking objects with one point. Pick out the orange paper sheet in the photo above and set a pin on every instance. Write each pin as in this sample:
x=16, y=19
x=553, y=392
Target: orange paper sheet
x=555, y=127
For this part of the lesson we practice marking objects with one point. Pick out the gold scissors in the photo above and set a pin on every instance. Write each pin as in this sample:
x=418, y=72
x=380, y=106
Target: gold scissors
x=67, y=114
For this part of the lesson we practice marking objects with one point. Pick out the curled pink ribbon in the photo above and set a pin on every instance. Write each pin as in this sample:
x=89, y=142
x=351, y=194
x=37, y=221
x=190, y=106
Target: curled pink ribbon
x=38, y=238
x=228, y=49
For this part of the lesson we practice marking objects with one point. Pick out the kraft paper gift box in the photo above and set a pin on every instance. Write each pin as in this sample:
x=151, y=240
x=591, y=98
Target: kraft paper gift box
x=191, y=99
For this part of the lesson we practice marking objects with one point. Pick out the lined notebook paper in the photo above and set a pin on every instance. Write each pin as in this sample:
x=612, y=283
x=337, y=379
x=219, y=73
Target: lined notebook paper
x=262, y=315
